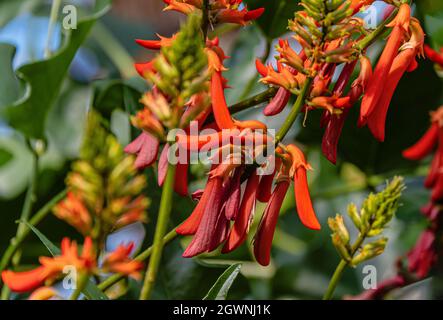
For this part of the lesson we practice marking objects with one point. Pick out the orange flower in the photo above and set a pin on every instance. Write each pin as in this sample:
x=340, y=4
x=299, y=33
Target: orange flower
x=302, y=198
x=119, y=261
x=219, y=106
x=51, y=268
x=74, y=212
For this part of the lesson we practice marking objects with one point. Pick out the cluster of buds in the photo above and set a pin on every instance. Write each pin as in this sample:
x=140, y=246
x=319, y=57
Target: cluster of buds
x=331, y=35
x=104, y=188
x=219, y=11
x=40, y=279
x=423, y=256
x=104, y=194
x=374, y=216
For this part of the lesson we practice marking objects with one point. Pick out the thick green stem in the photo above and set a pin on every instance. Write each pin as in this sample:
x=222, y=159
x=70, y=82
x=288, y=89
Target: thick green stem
x=143, y=256
x=81, y=284
x=341, y=267
x=253, y=101
x=52, y=22
x=36, y=219
x=294, y=111
x=160, y=230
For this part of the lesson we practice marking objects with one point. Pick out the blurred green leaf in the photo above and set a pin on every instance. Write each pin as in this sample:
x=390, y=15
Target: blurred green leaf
x=91, y=290
x=9, y=90
x=219, y=290
x=44, y=79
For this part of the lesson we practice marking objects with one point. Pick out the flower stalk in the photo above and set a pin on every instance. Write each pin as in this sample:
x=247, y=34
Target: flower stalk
x=160, y=231
x=376, y=213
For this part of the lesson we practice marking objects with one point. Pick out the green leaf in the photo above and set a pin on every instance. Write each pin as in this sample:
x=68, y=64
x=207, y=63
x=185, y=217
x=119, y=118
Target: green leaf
x=9, y=90
x=43, y=80
x=220, y=289
x=274, y=20
x=91, y=291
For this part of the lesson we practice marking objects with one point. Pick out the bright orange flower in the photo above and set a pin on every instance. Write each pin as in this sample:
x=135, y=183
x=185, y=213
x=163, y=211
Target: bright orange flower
x=74, y=212
x=219, y=106
x=51, y=268
x=119, y=261
x=303, y=201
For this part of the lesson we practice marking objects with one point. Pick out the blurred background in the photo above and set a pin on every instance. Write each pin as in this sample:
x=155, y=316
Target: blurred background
x=101, y=76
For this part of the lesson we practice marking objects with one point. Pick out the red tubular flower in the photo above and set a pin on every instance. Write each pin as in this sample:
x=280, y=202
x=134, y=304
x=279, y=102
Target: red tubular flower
x=378, y=81
x=232, y=204
x=264, y=191
x=278, y=103
x=424, y=146
x=241, y=17
x=434, y=56
x=266, y=229
x=156, y=44
x=402, y=63
x=241, y=226
x=334, y=123
x=179, y=6
x=302, y=198
x=204, y=219
x=357, y=5
x=219, y=106
x=423, y=256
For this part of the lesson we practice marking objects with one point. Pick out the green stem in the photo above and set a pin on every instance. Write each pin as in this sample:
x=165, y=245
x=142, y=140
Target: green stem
x=115, y=51
x=36, y=219
x=143, y=256
x=81, y=284
x=52, y=21
x=205, y=19
x=294, y=111
x=341, y=267
x=160, y=230
x=373, y=36
x=254, y=100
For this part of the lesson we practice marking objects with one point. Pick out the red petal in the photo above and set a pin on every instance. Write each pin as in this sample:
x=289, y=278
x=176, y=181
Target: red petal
x=146, y=147
x=24, y=281
x=424, y=146
x=181, y=179
x=254, y=14
x=266, y=229
x=234, y=196
x=378, y=80
x=241, y=225
x=219, y=106
x=278, y=103
x=149, y=44
x=303, y=200
x=377, y=119
x=332, y=135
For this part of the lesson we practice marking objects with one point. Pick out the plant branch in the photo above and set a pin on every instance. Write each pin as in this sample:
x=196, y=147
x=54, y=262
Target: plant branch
x=55, y=8
x=294, y=111
x=160, y=230
x=372, y=37
x=341, y=267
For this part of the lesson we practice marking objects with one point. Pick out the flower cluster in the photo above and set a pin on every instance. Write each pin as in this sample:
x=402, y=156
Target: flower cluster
x=330, y=34
x=224, y=213
x=104, y=194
